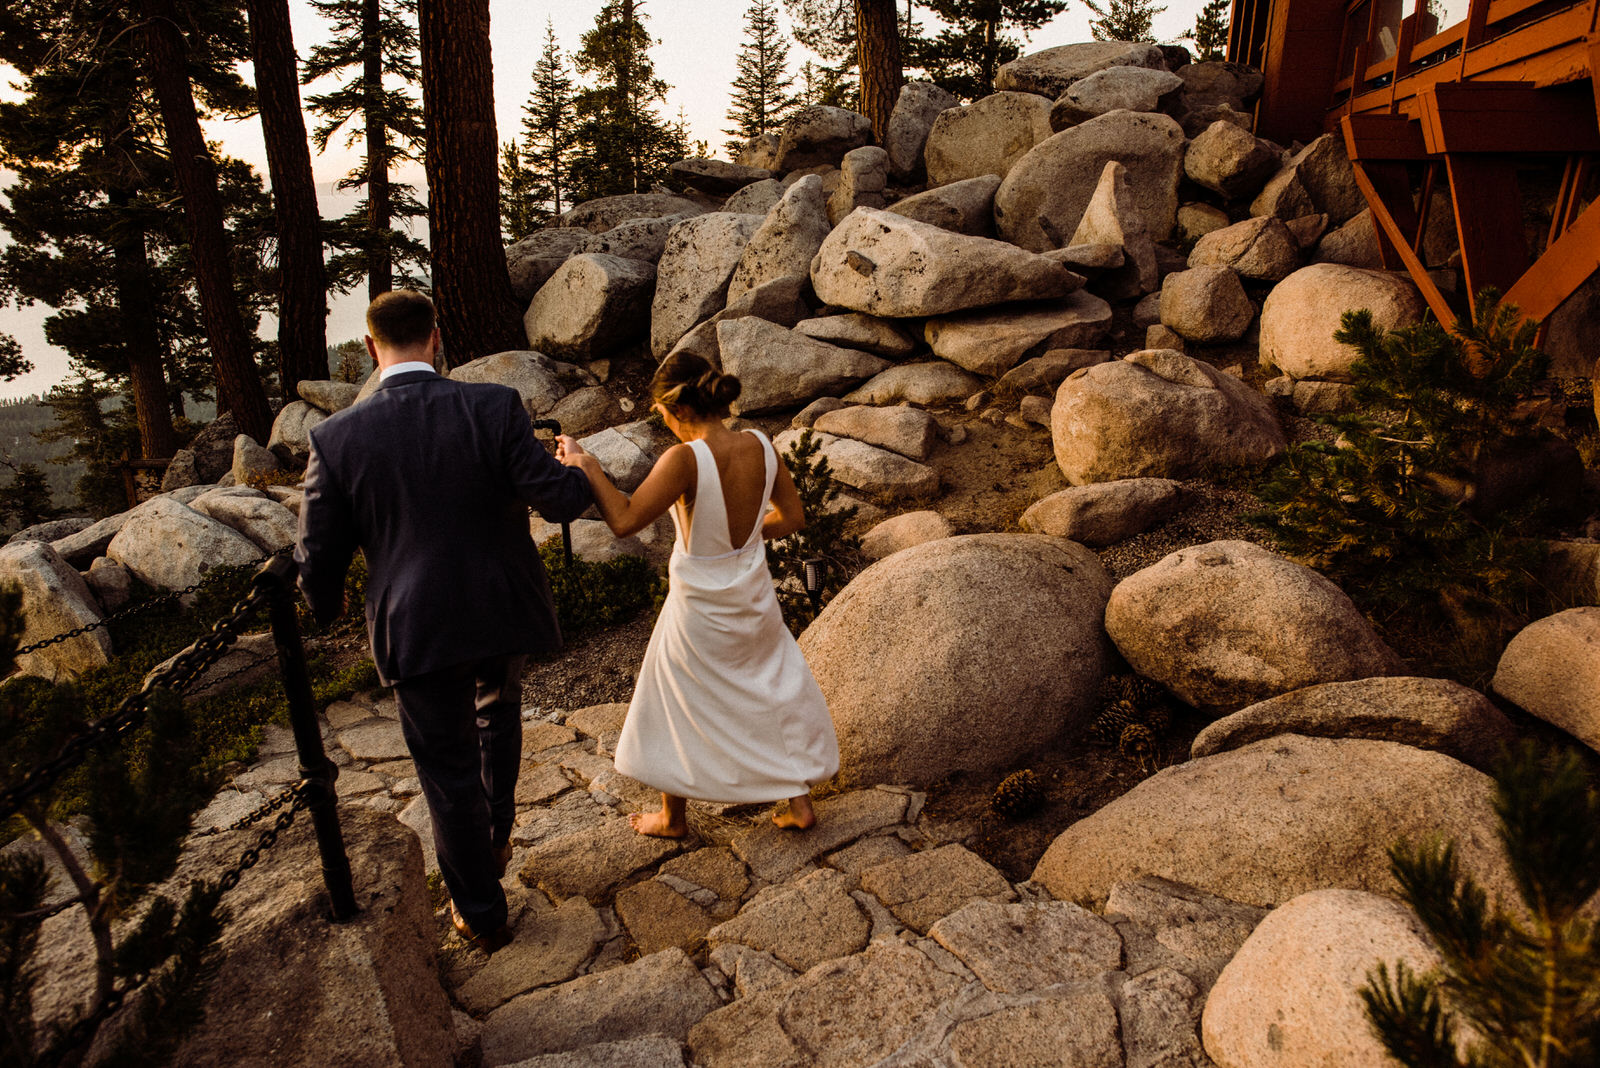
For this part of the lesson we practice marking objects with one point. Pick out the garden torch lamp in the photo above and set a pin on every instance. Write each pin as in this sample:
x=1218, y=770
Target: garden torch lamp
x=813, y=572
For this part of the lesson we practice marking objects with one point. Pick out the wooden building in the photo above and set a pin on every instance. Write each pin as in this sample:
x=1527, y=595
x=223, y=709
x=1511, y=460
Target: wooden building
x=1494, y=99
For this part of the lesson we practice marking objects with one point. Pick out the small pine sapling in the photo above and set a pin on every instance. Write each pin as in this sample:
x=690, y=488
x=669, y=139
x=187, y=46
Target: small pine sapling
x=1515, y=990
x=823, y=537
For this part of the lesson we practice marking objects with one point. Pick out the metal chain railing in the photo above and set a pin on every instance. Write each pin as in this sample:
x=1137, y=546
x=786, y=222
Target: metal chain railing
x=142, y=606
x=84, y=1028
x=271, y=588
x=188, y=666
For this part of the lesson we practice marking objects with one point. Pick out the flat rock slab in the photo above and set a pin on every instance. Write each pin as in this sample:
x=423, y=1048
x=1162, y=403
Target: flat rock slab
x=540, y=783
x=658, y=917
x=853, y=1011
x=599, y=720
x=1020, y=947
x=714, y=868
x=774, y=854
x=1426, y=713
x=549, y=948
x=870, y=469
x=662, y=994
x=652, y=1051
x=342, y=715
x=537, y=737
x=1203, y=929
x=924, y=887
x=590, y=863
x=802, y=925
x=375, y=742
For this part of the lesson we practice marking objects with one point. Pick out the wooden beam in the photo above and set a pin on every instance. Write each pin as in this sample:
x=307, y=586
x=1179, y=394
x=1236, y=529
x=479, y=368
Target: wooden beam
x=1565, y=266
x=1382, y=137
x=1390, y=230
x=1507, y=117
x=1488, y=219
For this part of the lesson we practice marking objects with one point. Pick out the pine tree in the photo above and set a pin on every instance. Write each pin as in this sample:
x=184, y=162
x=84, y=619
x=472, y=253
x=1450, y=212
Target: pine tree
x=1123, y=20
x=620, y=144
x=1210, y=32
x=97, y=229
x=522, y=209
x=374, y=40
x=762, y=91
x=823, y=538
x=12, y=363
x=965, y=55
x=1515, y=990
x=26, y=500
x=828, y=29
x=547, y=128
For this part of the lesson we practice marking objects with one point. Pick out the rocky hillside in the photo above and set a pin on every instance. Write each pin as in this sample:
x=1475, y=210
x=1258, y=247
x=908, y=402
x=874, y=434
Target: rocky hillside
x=1039, y=337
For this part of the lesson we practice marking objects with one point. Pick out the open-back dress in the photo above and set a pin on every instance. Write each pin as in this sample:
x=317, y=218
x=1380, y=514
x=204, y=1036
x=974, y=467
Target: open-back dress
x=725, y=708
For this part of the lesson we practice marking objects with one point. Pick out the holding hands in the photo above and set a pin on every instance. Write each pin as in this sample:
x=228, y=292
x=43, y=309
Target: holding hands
x=568, y=451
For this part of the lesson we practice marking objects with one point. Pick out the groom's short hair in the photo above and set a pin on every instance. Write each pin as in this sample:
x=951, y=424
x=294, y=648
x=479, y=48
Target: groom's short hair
x=400, y=319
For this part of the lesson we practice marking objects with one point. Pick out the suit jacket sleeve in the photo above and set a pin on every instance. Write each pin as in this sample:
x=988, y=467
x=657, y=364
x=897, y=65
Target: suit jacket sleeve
x=560, y=494
x=327, y=540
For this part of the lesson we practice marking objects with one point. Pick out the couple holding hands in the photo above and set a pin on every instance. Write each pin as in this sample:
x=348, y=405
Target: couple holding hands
x=431, y=480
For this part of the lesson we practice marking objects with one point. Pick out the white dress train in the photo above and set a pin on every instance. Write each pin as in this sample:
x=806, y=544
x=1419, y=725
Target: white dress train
x=725, y=708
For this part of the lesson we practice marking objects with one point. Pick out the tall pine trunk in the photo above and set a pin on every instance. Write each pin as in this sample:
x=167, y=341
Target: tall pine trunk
x=136, y=304
x=303, y=280
x=878, y=52
x=380, y=263
x=471, y=287
x=238, y=383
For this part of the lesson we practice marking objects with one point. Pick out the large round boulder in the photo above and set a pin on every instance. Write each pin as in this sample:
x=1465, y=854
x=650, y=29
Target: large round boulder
x=1046, y=192
x=1261, y=248
x=1052, y=71
x=820, y=135
x=535, y=377
x=1158, y=413
x=692, y=277
x=532, y=260
x=1228, y=623
x=1268, y=822
x=171, y=546
x=918, y=105
x=598, y=216
x=1432, y=714
x=1206, y=304
x=1291, y=996
x=55, y=599
x=1302, y=312
x=922, y=649
x=592, y=304
x=986, y=136
x=1551, y=670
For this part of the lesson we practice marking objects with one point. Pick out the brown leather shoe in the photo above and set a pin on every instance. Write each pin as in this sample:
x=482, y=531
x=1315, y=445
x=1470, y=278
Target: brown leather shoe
x=489, y=943
x=502, y=859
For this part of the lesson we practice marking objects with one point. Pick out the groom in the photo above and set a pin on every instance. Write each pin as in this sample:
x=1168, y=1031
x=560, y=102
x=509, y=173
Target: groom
x=430, y=479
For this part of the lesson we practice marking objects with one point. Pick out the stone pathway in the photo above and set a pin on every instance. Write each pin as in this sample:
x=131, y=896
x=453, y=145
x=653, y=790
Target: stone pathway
x=876, y=938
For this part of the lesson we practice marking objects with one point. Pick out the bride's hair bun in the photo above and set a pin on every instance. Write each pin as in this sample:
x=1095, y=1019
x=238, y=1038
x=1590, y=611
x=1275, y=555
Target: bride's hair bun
x=686, y=380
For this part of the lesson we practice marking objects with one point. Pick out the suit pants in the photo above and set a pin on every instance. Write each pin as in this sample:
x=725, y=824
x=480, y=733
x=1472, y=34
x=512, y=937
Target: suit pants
x=463, y=725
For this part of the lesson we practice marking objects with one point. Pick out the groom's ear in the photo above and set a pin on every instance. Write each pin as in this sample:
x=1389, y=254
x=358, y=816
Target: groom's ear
x=372, y=348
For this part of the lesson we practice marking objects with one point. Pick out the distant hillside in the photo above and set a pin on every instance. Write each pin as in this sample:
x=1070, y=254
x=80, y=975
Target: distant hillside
x=20, y=420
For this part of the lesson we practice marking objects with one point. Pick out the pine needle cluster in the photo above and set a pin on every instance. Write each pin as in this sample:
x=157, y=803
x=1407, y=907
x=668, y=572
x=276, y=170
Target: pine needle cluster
x=1385, y=510
x=1514, y=990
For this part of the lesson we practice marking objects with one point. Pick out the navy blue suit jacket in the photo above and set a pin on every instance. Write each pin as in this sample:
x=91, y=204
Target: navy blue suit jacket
x=431, y=480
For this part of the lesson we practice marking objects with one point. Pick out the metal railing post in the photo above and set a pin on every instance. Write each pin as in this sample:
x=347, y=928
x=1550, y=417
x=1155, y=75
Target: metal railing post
x=319, y=772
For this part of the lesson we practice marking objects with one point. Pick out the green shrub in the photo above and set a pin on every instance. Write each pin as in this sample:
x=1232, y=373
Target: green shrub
x=592, y=595
x=823, y=537
x=1380, y=510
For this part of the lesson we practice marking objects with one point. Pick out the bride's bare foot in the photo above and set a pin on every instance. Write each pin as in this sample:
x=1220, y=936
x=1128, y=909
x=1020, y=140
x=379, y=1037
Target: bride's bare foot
x=670, y=822
x=800, y=817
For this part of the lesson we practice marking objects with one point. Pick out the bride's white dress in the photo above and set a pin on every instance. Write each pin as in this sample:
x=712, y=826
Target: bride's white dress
x=725, y=708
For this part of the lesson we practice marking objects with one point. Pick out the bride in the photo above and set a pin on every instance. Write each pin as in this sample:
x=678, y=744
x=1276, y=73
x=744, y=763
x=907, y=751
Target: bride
x=725, y=708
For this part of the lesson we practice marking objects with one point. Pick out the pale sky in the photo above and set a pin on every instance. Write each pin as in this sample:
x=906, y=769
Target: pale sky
x=697, y=43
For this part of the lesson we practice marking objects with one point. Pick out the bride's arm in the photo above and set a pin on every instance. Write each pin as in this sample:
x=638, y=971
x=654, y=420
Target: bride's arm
x=787, y=515
x=671, y=477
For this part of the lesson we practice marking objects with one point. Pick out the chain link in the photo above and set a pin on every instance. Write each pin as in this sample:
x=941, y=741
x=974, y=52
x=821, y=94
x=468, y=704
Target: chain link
x=269, y=837
x=265, y=809
x=177, y=676
x=142, y=606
